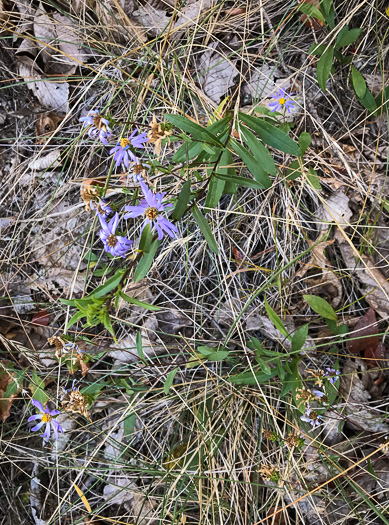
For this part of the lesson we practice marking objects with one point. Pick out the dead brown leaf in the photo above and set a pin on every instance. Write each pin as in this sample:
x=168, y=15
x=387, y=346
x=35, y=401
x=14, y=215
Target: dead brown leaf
x=371, y=282
x=216, y=73
x=328, y=284
x=154, y=20
x=59, y=41
x=366, y=328
x=45, y=125
x=9, y=389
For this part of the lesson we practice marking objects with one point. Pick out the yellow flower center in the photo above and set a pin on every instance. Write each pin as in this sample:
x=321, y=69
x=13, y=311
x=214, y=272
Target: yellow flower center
x=124, y=143
x=112, y=240
x=151, y=213
x=46, y=418
x=282, y=101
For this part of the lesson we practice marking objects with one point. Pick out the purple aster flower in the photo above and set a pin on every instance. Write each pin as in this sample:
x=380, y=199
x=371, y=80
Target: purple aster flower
x=99, y=126
x=320, y=396
x=113, y=244
x=312, y=417
x=123, y=151
x=151, y=207
x=103, y=209
x=332, y=375
x=282, y=101
x=46, y=417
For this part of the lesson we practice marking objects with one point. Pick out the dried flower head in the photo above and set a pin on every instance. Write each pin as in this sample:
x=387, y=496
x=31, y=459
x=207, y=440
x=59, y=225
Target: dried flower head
x=305, y=395
x=294, y=441
x=73, y=401
x=318, y=375
x=157, y=133
x=89, y=192
x=268, y=434
x=270, y=473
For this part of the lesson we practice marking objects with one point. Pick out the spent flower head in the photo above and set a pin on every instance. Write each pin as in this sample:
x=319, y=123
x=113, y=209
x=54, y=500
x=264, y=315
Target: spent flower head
x=124, y=152
x=283, y=100
x=152, y=208
x=98, y=126
x=46, y=418
x=113, y=244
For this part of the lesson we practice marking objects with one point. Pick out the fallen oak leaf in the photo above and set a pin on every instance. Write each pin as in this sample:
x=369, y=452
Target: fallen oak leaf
x=367, y=333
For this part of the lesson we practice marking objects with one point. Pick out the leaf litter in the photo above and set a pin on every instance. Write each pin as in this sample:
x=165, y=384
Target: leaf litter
x=51, y=266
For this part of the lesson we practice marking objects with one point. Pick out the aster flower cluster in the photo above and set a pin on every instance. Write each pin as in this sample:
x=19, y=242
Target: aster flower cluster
x=283, y=101
x=151, y=208
x=72, y=400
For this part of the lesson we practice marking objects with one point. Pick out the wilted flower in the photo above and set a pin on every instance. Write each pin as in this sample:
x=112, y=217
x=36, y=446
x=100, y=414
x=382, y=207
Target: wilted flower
x=113, y=244
x=294, y=441
x=157, y=133
x=73, y=401
x=283, y=100
x=305, y=395
x=151, y=206
x=123, y=151
x=99, y=126
x=312, y=417
x=268, y=434
x=101, y=208
x=332, y=375
x=46, y=417
x=271, y=473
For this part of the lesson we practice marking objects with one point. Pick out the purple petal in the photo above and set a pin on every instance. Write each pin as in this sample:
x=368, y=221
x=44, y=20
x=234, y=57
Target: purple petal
x=47, y=432
x=37, y=404
x=38, y=426
x=33, y=418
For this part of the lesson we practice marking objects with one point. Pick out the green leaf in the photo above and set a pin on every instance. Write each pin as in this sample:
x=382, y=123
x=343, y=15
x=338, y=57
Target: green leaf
x=248, y=378
x=76, y=317
x=347, y=37
x=145, y=263
x=253, y=166
x=146, y=239
x=182, y=201
x=241, y=181
x=276, y=320
x=214, y=193
x=139, y=347
x=313, y=178
x=169, y=380
x=321, y=306
x=359, y=83
x=299, y=337
x=317, y=49
x=263, y=365
x=311, y=10
x=304, y=141
x=109, y=284
x=368, y=101
x=324, y=67
x=260, y=152
x=271, y=135
x=106, y=320
x=218, y=356
x=188, y=151
x=293, y=171
x=93, y=389
x=205, y=229
x=90, y=256
x=196, y=130
x=129, y=425
x=37, y=387
x=147, y=306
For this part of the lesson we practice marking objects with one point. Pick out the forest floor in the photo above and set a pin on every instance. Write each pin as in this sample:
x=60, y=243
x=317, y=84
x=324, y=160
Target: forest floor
x=238, y=372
